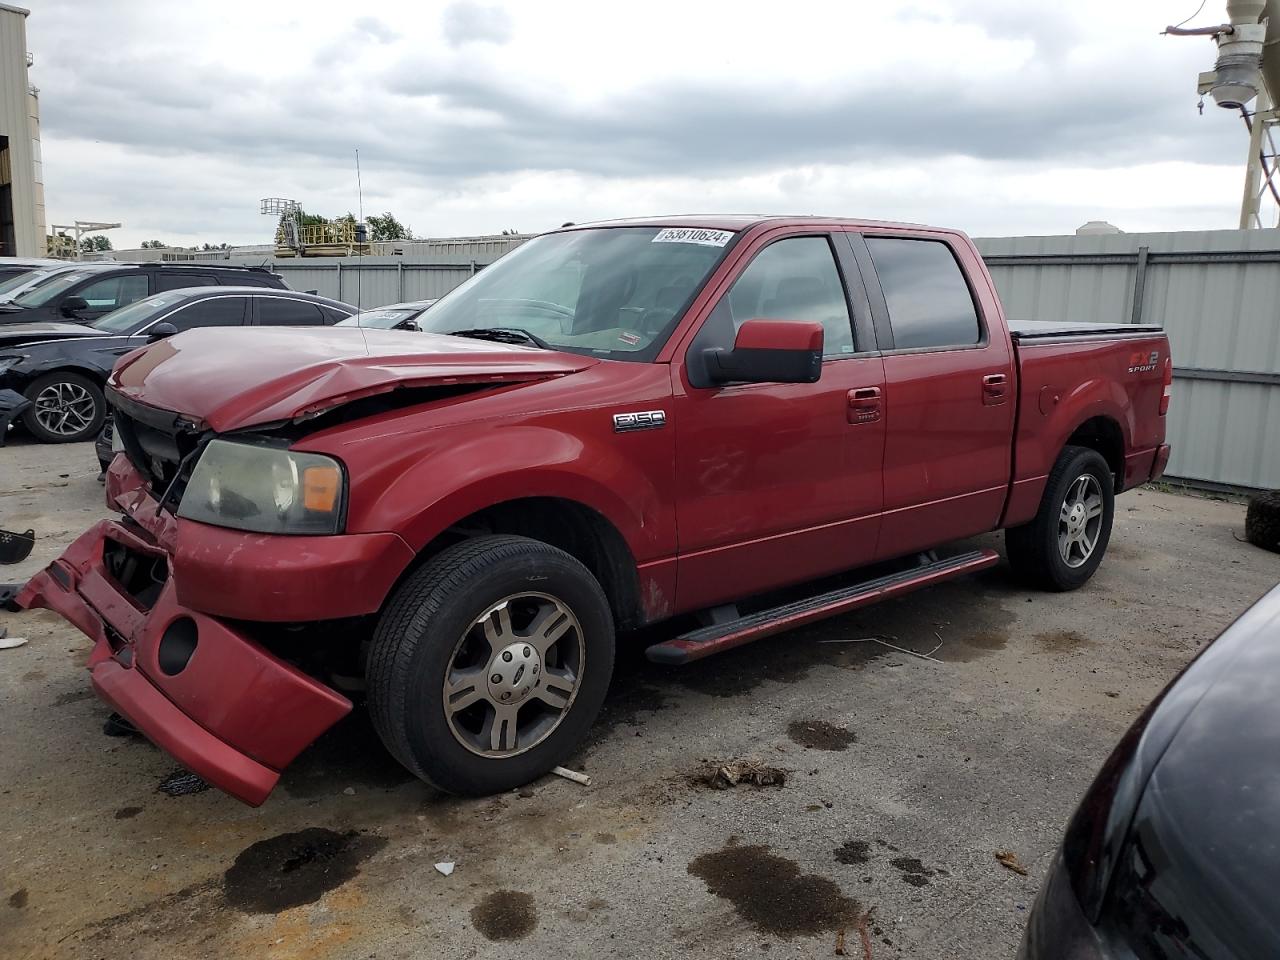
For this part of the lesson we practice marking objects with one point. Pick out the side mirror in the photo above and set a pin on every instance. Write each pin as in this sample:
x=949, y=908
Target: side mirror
x=408, y=325
x=161, y=330
x=769, y=351
x=73, y=306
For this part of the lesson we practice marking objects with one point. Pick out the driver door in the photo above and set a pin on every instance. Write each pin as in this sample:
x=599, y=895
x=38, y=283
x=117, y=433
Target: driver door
x=780, y=483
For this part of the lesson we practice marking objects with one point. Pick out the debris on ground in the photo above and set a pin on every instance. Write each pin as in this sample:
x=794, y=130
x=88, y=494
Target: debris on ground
x=725, y=776
x=884, y=642
x=118, y=725
x=864, y=933
x=1262, y=521
x=7, y=642
x=840, y=942
x=445, y=868
x=16, y=547
x=180, y=783
x=1009, y=860
x=573, y=775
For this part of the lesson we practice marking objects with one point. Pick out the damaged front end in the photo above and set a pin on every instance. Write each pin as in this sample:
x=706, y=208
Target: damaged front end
x=222, y=705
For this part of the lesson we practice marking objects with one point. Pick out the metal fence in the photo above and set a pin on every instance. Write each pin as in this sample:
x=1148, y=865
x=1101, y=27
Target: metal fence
x=1216, y=293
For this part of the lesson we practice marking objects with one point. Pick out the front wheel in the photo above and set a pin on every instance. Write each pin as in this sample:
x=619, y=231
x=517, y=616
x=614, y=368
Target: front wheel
x=65, y=407
x=1062, y=546
x=490, y=663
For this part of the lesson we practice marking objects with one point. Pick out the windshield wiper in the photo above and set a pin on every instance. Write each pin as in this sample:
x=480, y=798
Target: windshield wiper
x=503, y=335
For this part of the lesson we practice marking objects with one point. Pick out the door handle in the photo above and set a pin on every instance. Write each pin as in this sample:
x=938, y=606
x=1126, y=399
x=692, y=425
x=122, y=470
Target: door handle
x=994, y=387
x=865, y=405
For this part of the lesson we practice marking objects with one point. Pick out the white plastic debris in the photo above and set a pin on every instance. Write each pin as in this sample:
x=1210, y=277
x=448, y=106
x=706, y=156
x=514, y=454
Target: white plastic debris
x=573, y=775
x=8, y=643
x=445, y=868
x=350, y=791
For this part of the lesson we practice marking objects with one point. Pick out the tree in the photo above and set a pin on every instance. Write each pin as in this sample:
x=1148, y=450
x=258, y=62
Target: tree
x=153, y=245
x=95, y=244
x=387, y=227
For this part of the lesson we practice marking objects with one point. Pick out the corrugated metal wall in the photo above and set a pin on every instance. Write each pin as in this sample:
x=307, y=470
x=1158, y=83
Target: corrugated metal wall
x=1216, y=293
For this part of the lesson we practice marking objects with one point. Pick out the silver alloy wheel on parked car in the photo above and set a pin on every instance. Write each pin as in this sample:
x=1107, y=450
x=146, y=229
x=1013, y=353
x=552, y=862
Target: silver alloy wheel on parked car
x=1080, y=520
x=65, y=408
x=514, y=674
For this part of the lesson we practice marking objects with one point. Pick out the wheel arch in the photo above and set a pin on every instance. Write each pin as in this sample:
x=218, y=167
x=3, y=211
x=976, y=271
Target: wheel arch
x=1104, y=434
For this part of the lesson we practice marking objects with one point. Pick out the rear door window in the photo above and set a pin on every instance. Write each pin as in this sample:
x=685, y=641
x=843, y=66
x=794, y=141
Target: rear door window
x=114, y=292
x=282, y=312
x=928, y=299
x=179, y=280
x=214, y=312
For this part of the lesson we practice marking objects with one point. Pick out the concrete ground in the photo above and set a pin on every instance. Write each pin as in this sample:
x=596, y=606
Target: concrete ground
x=904, y=777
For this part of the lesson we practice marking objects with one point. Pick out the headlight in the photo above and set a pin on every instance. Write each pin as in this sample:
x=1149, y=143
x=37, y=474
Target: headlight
x=265, y=489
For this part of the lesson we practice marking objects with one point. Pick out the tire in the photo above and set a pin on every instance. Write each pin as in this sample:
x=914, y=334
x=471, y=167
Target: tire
x=1036, y=549
x=1262, y=521
x=85, y=410
x=432, y=629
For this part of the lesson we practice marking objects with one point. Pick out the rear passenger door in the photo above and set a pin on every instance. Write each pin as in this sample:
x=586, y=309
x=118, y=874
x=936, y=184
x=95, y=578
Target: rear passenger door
x=213, y=312
x=181, y=279
x=288, y=312
x=949, y=398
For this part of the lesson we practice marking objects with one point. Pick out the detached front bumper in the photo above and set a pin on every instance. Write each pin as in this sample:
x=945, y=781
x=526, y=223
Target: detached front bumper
x=222, y=705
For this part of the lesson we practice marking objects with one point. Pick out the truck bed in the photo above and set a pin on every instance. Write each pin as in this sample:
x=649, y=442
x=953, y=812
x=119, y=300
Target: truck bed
x=1053, y=329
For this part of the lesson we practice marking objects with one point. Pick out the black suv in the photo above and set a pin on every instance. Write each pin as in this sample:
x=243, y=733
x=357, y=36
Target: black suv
x=82, y=296
x=61, y=367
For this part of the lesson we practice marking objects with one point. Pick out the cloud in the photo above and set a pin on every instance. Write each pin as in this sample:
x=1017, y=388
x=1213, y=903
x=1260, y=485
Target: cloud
x=466, y=22
x=463, y=113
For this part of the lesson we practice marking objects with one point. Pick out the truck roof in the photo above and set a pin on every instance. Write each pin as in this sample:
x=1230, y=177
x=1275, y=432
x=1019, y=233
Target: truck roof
x=743, y=221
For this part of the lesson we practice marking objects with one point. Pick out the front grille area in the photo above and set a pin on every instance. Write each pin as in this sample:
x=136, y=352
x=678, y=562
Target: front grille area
x=156, y=442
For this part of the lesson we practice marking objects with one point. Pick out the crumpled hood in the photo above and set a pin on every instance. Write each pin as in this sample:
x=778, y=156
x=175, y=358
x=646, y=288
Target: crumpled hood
x=17, y=334
x=229, y=379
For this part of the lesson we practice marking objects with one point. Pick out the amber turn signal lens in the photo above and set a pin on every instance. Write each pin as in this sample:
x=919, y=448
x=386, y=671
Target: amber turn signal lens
x=320, y=486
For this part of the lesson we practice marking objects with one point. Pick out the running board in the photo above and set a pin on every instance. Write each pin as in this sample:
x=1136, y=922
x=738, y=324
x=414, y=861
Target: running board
x=719, y=637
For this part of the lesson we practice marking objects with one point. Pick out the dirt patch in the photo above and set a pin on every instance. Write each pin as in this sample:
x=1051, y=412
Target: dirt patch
x=913, y=871
x=75, y=696
x=772, y=894
x=505, y=915
x=127, y=813
x=733, y=773
x=852, y=852
x=31, y=676
x=820, y=735
x=295, y=868
x=1062, y=641
x=596, y=903
x=18, y=899
x=605, y=838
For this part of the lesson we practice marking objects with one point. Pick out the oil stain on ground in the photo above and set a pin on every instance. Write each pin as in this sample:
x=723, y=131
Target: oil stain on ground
x=853, y=852
x=505, y=915
x=349, y=754
x=295, y=868
x=127, y=813
x=820, y=735
x=772, y=894
x=1062, y=641
x=913, y=871
x=18, y=899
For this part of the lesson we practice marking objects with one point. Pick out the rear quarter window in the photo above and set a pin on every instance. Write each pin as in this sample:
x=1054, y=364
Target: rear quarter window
x=926, y=293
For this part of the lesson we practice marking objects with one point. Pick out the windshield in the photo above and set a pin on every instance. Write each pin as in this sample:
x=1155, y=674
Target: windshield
x=130, y=318
x=613, y=292
x=51, y=288
x=28, y=279
x=380, y=319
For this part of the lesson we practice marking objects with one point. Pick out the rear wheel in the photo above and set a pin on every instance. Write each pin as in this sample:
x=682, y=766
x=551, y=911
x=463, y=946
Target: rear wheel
x=1063, y=545
x=65, y=408
x=490, y=663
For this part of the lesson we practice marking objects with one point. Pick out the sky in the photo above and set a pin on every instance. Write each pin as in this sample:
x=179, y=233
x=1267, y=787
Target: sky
x=1000, y=117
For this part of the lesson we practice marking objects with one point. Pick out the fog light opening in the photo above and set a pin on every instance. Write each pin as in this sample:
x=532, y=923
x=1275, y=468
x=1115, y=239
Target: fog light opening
x=177, y=645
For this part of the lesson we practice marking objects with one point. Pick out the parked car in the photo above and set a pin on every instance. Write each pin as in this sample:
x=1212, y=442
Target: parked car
x=62, y=367
x=468, y=514
x=1172, y=851
x=394, y=316
x=17, y=285
x=92, y=291
x=16, y=266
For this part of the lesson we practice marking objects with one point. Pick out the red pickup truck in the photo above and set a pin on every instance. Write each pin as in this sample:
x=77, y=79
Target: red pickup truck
x=615, y=424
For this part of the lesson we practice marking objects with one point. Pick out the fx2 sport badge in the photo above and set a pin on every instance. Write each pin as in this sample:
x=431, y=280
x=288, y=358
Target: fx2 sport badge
x=643, y=420
x=1143, y=362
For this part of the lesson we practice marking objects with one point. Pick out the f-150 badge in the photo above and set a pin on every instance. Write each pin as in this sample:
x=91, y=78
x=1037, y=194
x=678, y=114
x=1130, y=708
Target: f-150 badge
x=644, y=420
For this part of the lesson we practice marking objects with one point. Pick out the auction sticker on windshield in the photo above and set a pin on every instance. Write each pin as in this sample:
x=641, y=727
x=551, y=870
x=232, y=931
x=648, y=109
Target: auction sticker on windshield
x=707, y=238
